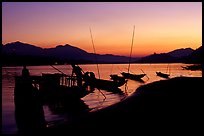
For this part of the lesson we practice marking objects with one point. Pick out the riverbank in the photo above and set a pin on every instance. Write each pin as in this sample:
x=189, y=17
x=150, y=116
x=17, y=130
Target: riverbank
x=172, y=105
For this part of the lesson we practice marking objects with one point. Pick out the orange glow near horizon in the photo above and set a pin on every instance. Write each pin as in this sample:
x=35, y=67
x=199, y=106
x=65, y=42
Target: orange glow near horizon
x=159, y=27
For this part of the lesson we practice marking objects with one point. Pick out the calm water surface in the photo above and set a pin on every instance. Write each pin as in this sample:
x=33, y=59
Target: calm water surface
x=94, y=100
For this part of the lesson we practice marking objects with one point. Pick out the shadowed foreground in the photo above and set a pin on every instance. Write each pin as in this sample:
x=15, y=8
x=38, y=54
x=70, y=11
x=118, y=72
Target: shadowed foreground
x=168, y=106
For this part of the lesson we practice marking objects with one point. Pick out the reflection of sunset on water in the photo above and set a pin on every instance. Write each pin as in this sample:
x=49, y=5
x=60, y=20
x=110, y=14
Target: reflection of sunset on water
x=94, y=100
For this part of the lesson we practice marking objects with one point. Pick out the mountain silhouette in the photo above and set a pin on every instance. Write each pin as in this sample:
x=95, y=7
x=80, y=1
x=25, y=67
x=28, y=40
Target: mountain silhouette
x=158, y=58
x=19, y=53
x=183, y=55
x=66, y=52
x=19, y=48
x=183, y=52
x=61, y=54
x=195, y=56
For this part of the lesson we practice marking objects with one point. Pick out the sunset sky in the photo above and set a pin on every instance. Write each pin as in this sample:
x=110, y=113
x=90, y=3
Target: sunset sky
x=159, y=27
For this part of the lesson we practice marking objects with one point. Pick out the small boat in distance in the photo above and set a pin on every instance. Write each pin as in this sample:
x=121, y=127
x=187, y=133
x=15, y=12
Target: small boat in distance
x=162, y=74
x=192, y=67
x=136, y=77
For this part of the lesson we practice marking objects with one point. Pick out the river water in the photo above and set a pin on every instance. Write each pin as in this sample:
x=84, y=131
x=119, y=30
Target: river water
x=94, y=100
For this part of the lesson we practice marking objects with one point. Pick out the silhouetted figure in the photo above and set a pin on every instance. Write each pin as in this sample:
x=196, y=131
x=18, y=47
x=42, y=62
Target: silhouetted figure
x=26, y=76
x=78, y=72
x=92, y=75
x=25, y=72
x=29, y=113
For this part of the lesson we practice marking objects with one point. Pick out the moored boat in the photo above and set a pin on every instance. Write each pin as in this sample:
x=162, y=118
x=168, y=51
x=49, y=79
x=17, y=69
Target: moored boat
x=192, y=67
x=133, y=76
x=162, y=75
x=113, y=85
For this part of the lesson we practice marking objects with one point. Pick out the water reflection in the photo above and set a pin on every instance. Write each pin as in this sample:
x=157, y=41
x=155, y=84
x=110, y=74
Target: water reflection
x=91, y=102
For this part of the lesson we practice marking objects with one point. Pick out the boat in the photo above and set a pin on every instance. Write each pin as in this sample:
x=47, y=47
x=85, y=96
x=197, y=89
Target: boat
x=164, y=75
x=109, y=85
x=136, y=77
x=192, y=67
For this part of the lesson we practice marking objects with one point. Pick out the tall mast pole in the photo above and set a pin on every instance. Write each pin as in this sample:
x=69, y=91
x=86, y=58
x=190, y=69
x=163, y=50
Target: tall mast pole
x=95, y=53
x=96, y=60
x=131, y=49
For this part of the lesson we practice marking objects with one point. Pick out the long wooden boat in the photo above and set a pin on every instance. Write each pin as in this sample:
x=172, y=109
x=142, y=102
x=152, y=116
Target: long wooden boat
x=108, y=83
x=103, y=84
x=133, y=76
x=162, y=75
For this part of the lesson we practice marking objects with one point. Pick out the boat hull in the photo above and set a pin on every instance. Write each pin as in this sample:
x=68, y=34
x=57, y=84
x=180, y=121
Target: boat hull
x=133, y=76
x=106, y=84
x=162, y=75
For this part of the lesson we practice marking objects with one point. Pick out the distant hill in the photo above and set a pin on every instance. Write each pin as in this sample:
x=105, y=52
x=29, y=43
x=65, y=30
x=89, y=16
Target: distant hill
x=183, y=52
x=158, y=58
x=66, y=52
x=19, y=48
x=19, y=53
x=175, y=56
x=195, y=56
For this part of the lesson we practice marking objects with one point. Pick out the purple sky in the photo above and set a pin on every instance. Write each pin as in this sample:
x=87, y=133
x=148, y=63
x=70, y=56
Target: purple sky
x=170, y=24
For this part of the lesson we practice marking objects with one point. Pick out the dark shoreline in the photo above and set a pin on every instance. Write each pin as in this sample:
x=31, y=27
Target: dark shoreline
x=169, y=106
